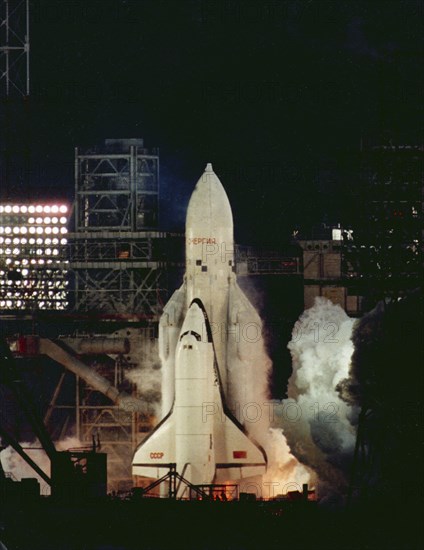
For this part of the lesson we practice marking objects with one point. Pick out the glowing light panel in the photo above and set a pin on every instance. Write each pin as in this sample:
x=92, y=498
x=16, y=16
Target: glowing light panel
x=29, y=278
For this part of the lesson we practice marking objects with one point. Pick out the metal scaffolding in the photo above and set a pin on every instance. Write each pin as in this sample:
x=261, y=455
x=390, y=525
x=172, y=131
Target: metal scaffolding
x=119, y=431
x=377, y=254
x=117, y=188
x=112, y=253
x=252, y=261
x=382, y=249
x=82, y=408
x=117, y=261
x=14, y=47
x=116, y=277
x=15, y=131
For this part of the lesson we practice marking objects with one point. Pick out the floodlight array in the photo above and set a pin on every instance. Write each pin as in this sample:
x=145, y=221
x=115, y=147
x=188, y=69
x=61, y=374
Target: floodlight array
x=33, y=265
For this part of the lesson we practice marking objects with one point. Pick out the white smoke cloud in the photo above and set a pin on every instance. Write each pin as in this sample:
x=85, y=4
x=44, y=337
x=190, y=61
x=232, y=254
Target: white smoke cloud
x=322, y=436
x=147, y=374
x=148, y=382
x=284, y=472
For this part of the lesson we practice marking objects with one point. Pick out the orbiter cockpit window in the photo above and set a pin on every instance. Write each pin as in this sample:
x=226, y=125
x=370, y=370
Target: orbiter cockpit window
x=195, y=334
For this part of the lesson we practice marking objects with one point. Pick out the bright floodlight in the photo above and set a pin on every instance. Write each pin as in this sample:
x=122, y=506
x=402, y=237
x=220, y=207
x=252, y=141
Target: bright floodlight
x=27, y=252
x=337, y=234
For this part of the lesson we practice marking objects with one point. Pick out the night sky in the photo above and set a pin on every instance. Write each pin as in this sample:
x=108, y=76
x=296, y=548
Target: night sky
x=267, y=91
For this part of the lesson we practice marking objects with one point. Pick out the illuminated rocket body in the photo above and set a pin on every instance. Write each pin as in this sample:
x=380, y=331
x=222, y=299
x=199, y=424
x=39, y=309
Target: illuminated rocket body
x=210, y=304
x=210, y=258
x=210, y=277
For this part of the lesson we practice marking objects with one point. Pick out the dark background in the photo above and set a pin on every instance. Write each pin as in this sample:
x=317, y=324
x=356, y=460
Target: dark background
x=267, y=91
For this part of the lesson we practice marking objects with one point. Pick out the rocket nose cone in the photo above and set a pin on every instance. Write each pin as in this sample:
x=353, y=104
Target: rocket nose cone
x=208, y=207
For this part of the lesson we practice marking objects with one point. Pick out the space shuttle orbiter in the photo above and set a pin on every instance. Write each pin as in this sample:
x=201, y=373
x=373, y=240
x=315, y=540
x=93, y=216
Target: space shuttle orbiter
x=199, y=434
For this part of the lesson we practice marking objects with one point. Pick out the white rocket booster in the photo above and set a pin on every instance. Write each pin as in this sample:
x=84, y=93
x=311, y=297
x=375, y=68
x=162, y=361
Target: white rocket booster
x=197, y=431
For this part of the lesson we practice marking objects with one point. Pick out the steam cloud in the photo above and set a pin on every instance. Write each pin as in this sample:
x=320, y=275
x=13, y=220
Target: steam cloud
x=147, y=375
x=320, y=427
x=309, y=437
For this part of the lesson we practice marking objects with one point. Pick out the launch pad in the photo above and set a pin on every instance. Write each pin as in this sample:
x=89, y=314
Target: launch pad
x=152, y=523
x=179, y=488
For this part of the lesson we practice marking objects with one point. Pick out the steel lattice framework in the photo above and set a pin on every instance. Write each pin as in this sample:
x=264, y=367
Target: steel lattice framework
x=117, y=189
x=112, y=254
x=118, y=430
x=14, y=47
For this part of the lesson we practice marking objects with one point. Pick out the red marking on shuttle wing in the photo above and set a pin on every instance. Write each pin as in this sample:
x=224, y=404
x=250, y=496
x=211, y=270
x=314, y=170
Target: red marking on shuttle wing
x=239, y=454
